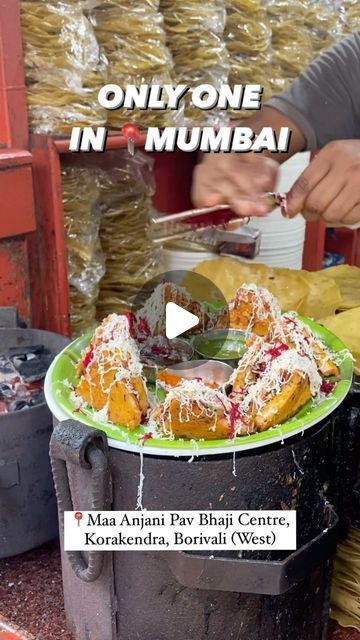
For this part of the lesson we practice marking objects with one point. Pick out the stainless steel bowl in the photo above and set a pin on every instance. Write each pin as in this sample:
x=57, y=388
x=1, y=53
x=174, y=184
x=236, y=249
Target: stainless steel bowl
x=220, y=338
x=211, y=370
x=152, y=364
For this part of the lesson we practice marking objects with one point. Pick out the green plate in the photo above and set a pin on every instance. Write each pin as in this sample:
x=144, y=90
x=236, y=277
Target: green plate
x=61, y=376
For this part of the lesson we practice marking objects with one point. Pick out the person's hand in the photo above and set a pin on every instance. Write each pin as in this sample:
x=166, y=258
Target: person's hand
x=237, y=179
x=330, y=186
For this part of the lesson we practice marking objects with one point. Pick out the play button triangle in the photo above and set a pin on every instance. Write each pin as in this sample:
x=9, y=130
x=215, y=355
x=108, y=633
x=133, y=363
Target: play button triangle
x=178, y=320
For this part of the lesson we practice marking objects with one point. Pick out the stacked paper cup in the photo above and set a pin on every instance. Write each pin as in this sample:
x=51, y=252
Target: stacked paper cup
x=184, y=256
x=282, y=240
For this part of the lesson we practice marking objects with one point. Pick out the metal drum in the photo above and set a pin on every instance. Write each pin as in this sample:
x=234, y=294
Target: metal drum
x=192, y=596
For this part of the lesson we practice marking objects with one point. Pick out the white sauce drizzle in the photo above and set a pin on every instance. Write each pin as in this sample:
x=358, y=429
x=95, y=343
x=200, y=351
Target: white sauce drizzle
x=139, y=500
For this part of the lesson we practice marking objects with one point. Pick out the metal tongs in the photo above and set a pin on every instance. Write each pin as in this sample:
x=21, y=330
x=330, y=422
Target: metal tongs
x=234, y=237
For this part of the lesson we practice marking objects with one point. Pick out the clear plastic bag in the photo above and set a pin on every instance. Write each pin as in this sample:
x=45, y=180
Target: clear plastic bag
x=325, y=21
x=247, y=34
x=57, y=111
x=291, y=44
x=291, y=49
x=250, y=70
x=195, y=37
x=131, y=259
x=63, y=67
x=248, y=40
x=351, y=17
x=82, y=311
x=133, y=40
x=182, y=17
x=148, y=117
x=291, y=12
x=85, y=259
x=153, y=5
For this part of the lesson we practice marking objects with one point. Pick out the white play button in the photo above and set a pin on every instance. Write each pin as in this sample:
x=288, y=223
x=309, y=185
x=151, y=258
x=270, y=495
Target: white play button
x=178, y=320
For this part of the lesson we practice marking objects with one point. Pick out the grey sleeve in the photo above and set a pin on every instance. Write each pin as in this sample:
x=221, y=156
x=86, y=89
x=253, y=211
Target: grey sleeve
x=324, y=101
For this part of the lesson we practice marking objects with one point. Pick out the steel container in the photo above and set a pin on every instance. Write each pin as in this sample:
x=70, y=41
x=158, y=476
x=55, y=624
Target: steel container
x=28, y=514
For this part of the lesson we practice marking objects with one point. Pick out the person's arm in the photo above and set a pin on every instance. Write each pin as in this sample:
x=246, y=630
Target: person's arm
x=323, y=104
x=324, y=101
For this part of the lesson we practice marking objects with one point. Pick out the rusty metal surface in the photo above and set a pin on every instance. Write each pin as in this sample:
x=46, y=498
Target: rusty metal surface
x=13, y=112
x=289, y=476
x=169, y=610
x=351, y=471
x=72, y=443
x=142, y=599
x=17, y=206
x=262, y=577
x=71, y=440
x=17, y=200
x=295, y=475
x=90, y=606
x=8, y=318
x=14, y=276
x=137, y=595
x=48, y=258
x=346, y=473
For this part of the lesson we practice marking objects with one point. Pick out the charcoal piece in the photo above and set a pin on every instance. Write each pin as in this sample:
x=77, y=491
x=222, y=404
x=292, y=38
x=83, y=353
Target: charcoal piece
x=24, y=351
x=6, y=391
x=7, y=370
x=38, y=399
x=21, y=390
x=17, y=405
x=34, y=369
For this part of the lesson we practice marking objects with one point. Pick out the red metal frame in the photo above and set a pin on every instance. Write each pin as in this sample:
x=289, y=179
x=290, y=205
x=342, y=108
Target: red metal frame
x=13, y=114
x=36, y=261
x=16, y=181
x=16, y=189
x=49, y=285
x=313, y=255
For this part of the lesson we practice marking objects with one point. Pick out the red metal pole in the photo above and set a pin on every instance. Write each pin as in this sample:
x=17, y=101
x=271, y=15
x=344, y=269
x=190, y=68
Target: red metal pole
x=13, y=114
x=16, y=190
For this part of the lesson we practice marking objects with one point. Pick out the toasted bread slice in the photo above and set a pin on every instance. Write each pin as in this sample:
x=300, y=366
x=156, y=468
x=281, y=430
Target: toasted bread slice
x=325, y=365
x=93, y=389
x=139, y=387
x=282, y=406
x=253, y=309
x=196, y=426
x=124, y=408
x=127, y=402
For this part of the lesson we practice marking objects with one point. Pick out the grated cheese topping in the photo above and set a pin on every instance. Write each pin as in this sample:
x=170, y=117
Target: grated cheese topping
x=290, y=327
x=251, y=359
x=113, y=346
x=211, y=402
x=278, y=373
x=113, y=350
x=290, y=347
x=264, y=303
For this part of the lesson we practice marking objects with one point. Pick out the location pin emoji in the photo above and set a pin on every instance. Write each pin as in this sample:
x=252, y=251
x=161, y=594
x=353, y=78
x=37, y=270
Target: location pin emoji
x=131, y=133
x=78, y=516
